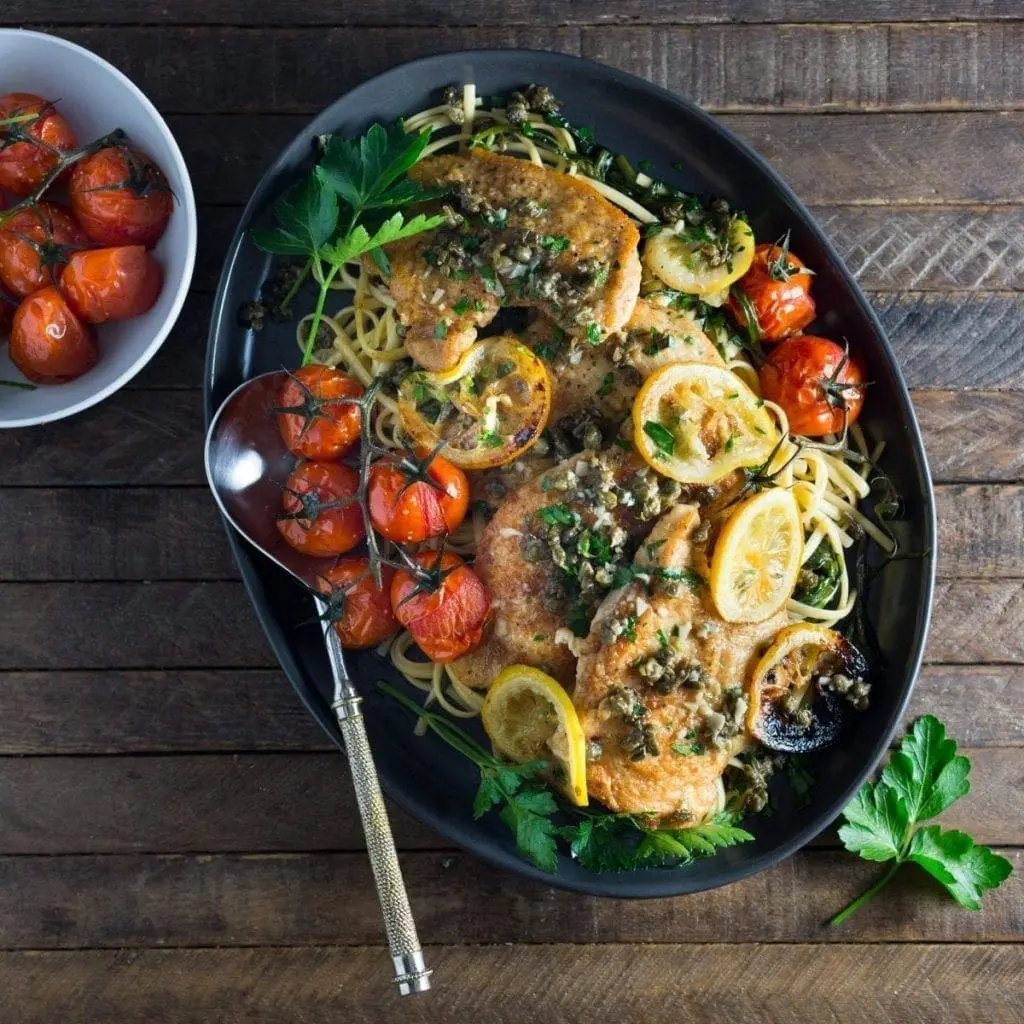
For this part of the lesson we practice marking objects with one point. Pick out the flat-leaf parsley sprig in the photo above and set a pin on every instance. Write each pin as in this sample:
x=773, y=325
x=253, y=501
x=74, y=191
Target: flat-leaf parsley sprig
x=340, y=210
x=923, y=778
x=600, y=842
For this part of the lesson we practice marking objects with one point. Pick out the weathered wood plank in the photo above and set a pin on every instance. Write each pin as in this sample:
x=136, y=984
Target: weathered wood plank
x=722, y=67
x=970, y=435
x=155, y=438
x=312, y=899
x=429, y=13
x=901, y=249
x=107, y=534
x=674, y=984
x=209, y=803
x=880, y=67
x=888, y=159
x=112, y=534
x=188, y=711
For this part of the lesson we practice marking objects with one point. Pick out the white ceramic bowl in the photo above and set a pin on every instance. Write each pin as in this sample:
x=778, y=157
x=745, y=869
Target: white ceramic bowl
x=96, y=98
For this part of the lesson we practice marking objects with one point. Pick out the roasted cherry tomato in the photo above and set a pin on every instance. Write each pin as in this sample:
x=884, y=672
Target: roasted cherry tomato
x=49, y=344
x=112, y=284
x=361, y=613
x=413, y=499
x=32, y=138
x=817, y=383
x=445, y=612
x=319, y=427
x=120, y=197
x=318, y=518
x=776, y=290
x=35, y=246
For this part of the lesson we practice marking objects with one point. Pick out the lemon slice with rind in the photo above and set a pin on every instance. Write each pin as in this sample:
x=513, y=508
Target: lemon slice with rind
x=757, y=556
x=529, y=717
x=696, y=423
x=680, y=261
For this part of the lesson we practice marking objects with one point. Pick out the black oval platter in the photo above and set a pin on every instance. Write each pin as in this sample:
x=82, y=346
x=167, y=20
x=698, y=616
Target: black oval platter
x=423, y=776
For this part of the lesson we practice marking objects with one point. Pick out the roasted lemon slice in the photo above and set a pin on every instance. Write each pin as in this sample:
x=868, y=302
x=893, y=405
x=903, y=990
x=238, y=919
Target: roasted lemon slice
x=529, y=717
x=691, y=264
x=696, y=423
x=757, y=557
x=488, y=409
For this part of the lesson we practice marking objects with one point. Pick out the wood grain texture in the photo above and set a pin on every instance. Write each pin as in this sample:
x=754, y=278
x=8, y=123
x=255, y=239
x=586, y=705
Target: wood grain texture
x=429, y=13
x=670, y=984
x=314, y=899
x=886, y=159
x=248, y=803
x=155, y=438
x=225, y=710
x=723, y=68
x=171, y=533
x=212, y=625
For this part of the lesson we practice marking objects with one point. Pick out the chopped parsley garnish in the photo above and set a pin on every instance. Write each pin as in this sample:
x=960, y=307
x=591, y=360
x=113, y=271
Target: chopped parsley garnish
x=657, y=342
x=491, y=439
x=686, y=749
x=606, y=385
x=663, y=440
x=557, y=515
x=464, y=306
x=441, y=331
x=554, y=243
x=594, y=334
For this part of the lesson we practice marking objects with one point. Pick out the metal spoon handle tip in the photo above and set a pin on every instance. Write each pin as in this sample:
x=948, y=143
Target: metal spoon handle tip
x=411, y=974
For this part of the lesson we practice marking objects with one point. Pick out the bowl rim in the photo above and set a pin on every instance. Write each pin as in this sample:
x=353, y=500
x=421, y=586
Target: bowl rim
x=632, y=884
x=187, y=205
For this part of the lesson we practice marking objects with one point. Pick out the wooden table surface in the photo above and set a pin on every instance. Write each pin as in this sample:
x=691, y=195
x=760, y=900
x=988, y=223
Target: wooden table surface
x=178, y=842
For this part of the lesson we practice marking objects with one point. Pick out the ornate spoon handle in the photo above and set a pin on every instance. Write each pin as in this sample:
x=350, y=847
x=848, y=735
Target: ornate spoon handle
x=411, y=973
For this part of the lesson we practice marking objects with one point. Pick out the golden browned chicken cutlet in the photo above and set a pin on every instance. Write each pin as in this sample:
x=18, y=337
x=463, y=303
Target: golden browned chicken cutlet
x=518, y=235
x=604, y=379
x=660, y=682
x=549, y=555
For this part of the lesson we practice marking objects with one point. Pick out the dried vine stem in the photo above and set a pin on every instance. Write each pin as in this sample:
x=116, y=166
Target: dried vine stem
x=114, y=138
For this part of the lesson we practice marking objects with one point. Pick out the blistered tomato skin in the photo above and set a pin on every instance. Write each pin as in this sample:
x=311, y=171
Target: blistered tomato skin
x=778, y=290
x=31, y=149
x=409, y=511
x=817, y=383
x=35, y=246
x=49, y=344
x=364, y=615
x=121, y=197
x=112, y=284
x=324, y=426
x=446, y=617
x=318, y=516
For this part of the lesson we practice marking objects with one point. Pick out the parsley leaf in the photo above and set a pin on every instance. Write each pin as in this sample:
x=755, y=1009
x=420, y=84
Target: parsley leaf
x=528, y=815
x=663, y=440
x=359, y=240
x=554, y=243
x=556, y=515
x=606, y=385
x=306, y=217
x=922, y=779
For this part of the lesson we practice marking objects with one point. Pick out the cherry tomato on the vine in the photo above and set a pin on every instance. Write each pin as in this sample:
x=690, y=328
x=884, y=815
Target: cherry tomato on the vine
x=364, y=614
x=818, y=384
x=411, y=500
x=120, y=196
x=777, y=289
x=112, y=284
x=319, y=428
x=445, y=614
x=49, y=344
x=36, y=245
x=318, y=518
x=33, y=137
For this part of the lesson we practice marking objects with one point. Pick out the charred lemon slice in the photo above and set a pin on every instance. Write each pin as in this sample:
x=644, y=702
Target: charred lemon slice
x=488, y=409
x=804, y=687
x=696, y=423
x=693, y=263
x=529, y=717
x=757, y=557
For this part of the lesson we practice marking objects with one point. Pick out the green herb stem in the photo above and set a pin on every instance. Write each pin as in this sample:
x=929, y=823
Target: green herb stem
x=851, y=908
x=318, y=312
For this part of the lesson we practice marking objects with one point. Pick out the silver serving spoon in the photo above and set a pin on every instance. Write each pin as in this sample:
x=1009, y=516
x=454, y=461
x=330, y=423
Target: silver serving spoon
x=247, y=465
